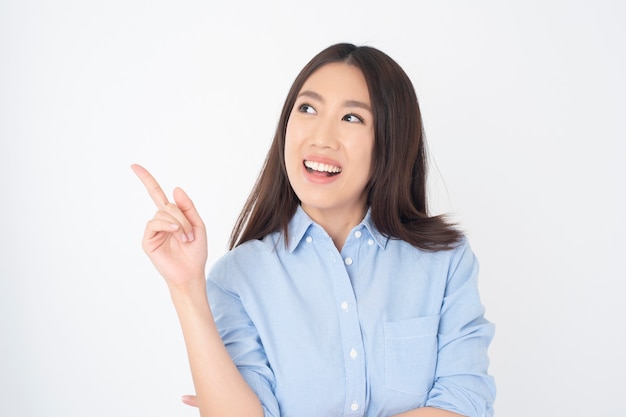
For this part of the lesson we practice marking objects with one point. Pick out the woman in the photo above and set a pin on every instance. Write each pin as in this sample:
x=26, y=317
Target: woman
x=340, y=295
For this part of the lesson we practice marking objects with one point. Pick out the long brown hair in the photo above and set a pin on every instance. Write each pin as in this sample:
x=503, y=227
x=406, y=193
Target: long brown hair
x=397, y=188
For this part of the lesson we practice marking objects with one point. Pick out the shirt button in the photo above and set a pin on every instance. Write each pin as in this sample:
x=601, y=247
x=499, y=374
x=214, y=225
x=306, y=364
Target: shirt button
x=348, y=261
x=357, y=234
x=353, y=354
x=354, y=406
x=370, y=242
x=344, y=306
x=309, y=239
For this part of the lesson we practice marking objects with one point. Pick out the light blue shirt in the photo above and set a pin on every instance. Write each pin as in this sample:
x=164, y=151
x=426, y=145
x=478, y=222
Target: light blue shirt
x=374, y=330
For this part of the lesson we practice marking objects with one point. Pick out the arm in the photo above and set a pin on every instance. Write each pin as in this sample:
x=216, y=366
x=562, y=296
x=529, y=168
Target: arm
x=175, y=241
x=220, y=388
x=428, y=412
x=462, y=385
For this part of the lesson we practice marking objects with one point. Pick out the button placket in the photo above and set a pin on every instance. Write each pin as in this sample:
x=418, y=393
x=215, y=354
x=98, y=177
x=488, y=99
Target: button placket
x=353, y=353
x=350, y=327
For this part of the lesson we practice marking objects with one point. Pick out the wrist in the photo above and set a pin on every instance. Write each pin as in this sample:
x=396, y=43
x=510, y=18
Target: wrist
x=190, y=289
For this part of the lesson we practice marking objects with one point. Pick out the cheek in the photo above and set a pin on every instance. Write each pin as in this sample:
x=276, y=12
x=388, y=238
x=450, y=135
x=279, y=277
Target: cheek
x=362, y=147
x=365, y=154
x=291, y=155
x=294, y=130
x=288, y=144
x=293, y=139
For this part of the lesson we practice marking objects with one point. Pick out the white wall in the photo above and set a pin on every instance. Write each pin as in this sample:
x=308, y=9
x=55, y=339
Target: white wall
x=525, y=113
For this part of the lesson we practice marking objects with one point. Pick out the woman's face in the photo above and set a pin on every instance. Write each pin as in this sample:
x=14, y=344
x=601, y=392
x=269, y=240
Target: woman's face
x=329, y=143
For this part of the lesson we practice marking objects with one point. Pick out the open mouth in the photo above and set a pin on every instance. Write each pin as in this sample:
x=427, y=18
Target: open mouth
x=320, y=168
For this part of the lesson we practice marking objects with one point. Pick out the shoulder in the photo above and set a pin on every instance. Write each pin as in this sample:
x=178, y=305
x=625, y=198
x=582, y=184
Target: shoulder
x=441, y=267
x=243, y=260
x=452, y=255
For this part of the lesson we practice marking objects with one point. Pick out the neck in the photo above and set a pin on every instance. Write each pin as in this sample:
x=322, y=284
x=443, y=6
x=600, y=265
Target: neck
x=336, y=223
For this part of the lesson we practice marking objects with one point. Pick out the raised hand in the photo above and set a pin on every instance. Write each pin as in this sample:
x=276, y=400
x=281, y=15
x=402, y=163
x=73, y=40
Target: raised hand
x=190, y=400
x=175, y=238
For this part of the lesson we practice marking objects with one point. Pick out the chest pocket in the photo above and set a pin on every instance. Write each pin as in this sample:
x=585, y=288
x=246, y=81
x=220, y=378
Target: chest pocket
x=411, y=354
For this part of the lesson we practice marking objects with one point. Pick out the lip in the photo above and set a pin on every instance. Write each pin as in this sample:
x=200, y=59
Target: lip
x=321, y=160
x=319, y=178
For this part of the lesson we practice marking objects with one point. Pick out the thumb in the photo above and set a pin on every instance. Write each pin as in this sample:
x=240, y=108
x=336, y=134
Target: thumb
x=191, y=400
x=185, y=205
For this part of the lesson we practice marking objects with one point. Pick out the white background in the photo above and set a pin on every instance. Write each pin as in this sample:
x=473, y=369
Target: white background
x=524, y=109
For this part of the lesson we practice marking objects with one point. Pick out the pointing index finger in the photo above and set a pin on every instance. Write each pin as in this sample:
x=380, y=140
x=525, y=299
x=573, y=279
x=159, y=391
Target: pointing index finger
x=153, y=187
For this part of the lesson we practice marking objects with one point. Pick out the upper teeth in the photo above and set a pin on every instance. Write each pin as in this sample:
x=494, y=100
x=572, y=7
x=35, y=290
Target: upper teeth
x=318, y=166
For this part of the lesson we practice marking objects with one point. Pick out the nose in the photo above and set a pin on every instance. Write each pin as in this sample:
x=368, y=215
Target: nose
x=325, y=134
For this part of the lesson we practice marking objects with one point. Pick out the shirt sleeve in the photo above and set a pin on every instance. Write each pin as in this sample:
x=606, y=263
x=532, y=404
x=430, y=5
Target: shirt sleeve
x=242, y=340
x=462, y=384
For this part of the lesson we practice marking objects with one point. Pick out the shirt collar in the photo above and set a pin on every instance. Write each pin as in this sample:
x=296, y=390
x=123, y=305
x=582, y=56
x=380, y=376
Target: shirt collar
x=298, y=226
x=301, y=222
x=380, y=239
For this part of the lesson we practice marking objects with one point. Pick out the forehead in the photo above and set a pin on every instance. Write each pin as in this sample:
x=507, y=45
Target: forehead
x=338, y=79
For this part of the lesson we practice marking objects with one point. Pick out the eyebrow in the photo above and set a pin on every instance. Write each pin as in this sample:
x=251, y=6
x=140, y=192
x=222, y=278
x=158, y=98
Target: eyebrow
x=347, y=103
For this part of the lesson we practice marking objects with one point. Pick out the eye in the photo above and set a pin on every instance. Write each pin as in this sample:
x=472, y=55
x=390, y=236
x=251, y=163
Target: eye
x=352, y=118
x=306, y=108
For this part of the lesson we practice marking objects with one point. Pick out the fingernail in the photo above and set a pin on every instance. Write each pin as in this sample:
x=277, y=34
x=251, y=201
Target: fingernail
x=190, y=236
x=173, y=226
x=183, y=237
